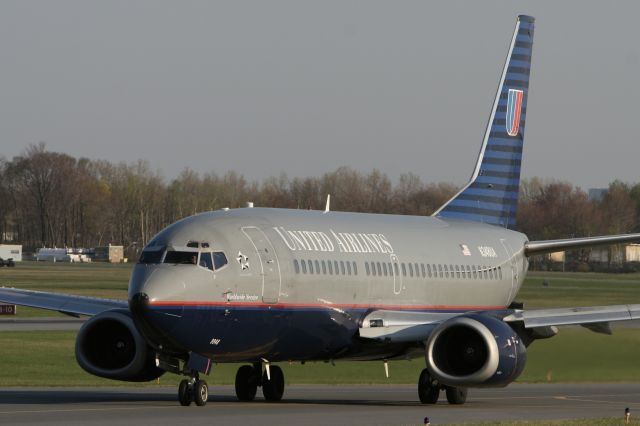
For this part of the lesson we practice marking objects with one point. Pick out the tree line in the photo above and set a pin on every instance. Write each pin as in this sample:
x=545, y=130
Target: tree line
x=53, y=199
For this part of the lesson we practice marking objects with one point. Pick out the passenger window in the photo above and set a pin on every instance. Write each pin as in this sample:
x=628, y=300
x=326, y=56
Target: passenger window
x=205, y=261
x=486, y=273
x=379, y=269
x=342, y=267
x=330, y=265
x=468, y=272
x=324, y=267
x=310, y=266
x=296, y=266
x=424, y=274
x=429, y=270
x=384, y=268
x=349, y=268
x=219, y=259
x=390, y=267
x=395, y=269
x=411, y=270
x=355, y=268
x=335, y=267
x=475, y=276
x=181, y=257
x=317, y=267
x=373, y=269
x=500, y=271
x=404, y=270
x=457, y=271
x=366, y=268
x=304, y=266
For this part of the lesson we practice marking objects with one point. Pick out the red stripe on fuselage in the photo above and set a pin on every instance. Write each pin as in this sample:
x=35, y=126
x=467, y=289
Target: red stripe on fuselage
x=172, y=303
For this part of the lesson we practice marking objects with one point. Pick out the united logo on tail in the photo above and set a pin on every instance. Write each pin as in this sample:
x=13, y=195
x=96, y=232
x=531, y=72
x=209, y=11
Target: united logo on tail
x=514, y=106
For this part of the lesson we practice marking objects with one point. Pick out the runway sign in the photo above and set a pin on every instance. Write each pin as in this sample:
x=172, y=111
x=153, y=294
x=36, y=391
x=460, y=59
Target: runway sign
x=7, y=309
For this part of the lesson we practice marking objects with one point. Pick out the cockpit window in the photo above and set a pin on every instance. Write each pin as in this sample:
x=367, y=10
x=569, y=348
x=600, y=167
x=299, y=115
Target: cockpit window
x=205, y=260
x=219, y=259
x=150, y=256
x=181, y=257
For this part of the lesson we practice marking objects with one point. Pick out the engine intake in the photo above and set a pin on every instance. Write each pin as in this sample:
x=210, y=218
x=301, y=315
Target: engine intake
x=109, y=345
x=475, y=351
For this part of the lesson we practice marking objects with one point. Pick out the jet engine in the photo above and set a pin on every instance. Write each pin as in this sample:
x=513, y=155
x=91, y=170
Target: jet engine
x=109, y=345
x=475, y=351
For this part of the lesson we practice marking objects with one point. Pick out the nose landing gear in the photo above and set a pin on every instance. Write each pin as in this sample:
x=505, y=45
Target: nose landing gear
x=193, y=390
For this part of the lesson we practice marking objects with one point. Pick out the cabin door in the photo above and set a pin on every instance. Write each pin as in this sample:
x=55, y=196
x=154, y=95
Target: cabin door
x=395, y=273
x=269, y=269
x=511, y=264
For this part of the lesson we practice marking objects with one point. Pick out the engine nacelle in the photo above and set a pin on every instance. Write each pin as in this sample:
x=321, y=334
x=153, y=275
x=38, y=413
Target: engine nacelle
x=109, y=345
x=475, y=351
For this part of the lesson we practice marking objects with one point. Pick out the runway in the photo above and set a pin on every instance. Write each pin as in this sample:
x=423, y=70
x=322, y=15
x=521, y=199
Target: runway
x=313, y=405
x=41, y=324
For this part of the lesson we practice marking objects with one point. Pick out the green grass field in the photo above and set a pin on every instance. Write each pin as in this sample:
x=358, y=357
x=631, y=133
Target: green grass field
x=575, y=355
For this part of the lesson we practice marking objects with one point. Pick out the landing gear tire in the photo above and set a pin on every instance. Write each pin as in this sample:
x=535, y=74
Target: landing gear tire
x=247, y=383
x=428, y=391
x=201, y=393
x=184, y=393
x=273, y=389
x=456, y=396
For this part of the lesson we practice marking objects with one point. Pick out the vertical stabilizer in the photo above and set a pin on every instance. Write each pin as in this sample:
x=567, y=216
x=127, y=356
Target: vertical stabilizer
x=491, y=196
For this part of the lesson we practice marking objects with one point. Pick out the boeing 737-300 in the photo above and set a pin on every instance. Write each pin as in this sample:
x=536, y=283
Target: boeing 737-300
x=260, y=286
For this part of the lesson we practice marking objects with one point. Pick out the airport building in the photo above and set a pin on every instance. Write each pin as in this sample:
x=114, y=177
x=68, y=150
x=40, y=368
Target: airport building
x=11, y=251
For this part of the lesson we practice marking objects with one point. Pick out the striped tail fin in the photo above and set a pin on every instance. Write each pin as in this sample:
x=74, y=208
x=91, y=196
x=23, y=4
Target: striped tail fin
x=491, y=196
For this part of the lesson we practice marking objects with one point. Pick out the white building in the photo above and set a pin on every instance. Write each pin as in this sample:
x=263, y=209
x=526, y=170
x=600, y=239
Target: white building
x=11, y=251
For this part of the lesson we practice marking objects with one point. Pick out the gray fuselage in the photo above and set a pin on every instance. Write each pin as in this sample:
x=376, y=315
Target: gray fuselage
x=284, y=263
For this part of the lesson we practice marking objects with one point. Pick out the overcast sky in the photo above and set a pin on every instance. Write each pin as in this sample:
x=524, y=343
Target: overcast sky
x=262, y=87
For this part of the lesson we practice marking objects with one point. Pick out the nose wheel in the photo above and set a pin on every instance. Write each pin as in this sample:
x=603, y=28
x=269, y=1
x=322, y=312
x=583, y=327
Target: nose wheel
x=193, y=390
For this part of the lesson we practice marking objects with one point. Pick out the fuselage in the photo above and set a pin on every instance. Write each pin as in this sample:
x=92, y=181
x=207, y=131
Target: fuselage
x=278, y=284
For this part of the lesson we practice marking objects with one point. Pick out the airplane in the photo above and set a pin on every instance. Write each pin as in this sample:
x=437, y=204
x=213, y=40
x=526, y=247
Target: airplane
x=259, y=286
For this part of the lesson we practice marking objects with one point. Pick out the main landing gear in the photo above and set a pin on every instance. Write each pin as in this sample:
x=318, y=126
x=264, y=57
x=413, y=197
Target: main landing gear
x=429, y=390
x=193, y=390
x=249, y=378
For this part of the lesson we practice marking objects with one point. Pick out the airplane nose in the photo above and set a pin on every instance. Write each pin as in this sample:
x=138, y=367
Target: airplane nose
x=139, y=302
x=155, y=303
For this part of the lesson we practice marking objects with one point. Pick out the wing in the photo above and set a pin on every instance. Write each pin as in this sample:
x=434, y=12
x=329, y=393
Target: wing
x=595, y=318
x=400, y=326
x=533, y=248
x=65, y=303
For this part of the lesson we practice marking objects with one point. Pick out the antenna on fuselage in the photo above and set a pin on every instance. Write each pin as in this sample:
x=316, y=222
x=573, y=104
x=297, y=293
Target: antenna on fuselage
x=326, y=208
